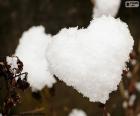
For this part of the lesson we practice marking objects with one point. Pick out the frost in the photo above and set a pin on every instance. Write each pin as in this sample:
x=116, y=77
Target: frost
x=31, y=50
x=77, y=112
x=106, y=7
x=12, y=62
x=91, y=60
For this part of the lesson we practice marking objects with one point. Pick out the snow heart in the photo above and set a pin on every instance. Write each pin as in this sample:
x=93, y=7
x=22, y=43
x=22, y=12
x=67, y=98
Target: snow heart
x=91, y=60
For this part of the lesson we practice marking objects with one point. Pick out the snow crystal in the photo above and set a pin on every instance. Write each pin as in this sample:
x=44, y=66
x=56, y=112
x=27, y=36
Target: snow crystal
x=91, y=60
x=31, y=50
x=77, y=112
x=106, y=7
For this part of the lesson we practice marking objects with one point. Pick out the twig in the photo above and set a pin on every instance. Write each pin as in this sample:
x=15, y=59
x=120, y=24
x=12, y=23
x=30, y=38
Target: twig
x=33, y=111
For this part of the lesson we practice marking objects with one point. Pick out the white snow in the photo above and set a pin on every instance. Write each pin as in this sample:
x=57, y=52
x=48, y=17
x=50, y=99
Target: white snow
x=106, y=7
x=91, y=60
x=31, y=50
x=132, y=100
x=77, y=112
x=12, y=62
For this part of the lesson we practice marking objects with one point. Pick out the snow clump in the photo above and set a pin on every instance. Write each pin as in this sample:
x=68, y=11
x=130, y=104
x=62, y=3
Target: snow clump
x=91, y=60
x=31, y=50
x=106, y=7
x=77, y=112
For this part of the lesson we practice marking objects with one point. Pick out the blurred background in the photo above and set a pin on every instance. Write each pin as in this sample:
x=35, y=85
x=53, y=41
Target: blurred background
x=17, y=16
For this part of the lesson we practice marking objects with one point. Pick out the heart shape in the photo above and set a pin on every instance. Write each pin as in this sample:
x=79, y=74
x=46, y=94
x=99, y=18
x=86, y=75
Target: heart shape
x=91, y=60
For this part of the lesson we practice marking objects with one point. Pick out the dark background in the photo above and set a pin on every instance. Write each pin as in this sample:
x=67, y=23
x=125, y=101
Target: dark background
x=16, y=16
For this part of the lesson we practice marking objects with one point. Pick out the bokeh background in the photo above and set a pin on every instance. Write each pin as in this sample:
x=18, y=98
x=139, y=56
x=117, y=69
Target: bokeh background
x=17, y=16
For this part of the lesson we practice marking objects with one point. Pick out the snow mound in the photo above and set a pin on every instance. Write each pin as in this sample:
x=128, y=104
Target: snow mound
x=31, y=50
x=77, y=112
x=91, y=60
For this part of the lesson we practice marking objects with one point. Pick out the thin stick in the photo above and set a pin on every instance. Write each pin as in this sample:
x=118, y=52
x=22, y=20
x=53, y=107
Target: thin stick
x=33, y=111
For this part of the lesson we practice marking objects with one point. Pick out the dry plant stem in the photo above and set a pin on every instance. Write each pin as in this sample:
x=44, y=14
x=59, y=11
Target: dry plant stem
x=37, y=110
x=104, y=111
x=13, y=81
x=103, y=108
x=122, y=90
x=11, y=99
x=130, y=111
x=5, y=109
x=52, y=94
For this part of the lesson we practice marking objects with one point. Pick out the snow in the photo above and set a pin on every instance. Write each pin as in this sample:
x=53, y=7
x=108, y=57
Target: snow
x=106, y=7
x=77, y=112
x=12, y=62
x=132, y=100
x=31, y=50
x=91, y=60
